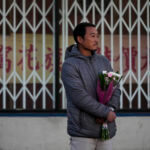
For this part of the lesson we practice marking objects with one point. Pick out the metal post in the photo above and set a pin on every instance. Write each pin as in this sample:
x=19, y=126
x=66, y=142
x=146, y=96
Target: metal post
x=56, y=56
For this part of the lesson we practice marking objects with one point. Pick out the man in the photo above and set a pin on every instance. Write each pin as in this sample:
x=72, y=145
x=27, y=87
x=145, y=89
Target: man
x=79, y=75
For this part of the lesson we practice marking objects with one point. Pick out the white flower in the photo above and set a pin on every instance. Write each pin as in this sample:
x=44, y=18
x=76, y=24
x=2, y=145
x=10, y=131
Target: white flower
x=104, y=72
x=115, y=74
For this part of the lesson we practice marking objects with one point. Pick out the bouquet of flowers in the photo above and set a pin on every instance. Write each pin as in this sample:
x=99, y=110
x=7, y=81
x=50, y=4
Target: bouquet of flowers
x=107, y=83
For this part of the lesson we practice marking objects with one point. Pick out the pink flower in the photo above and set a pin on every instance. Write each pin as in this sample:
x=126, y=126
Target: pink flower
x=109, y=74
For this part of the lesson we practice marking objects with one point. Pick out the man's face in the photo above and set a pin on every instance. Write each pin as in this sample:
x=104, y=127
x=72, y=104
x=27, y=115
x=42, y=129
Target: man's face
x=90, y=40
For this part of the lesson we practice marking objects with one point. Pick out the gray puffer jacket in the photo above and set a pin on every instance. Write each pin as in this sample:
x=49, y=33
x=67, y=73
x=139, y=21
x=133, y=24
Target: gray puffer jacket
x=79, y=75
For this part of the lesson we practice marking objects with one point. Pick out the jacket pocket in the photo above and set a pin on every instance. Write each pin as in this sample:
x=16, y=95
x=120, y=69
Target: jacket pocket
x=87, y=121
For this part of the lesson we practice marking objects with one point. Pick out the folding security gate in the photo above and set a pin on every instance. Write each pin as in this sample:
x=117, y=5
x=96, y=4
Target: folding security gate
x=31, y=51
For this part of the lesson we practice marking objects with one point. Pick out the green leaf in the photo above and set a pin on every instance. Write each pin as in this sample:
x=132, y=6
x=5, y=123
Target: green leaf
x=102, y=81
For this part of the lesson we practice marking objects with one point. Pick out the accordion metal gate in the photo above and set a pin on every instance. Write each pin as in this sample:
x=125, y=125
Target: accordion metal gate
x=30, y=66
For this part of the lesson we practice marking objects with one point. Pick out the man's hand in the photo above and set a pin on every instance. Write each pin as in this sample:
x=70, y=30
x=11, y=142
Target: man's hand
x=100, y=120
x=111, y=116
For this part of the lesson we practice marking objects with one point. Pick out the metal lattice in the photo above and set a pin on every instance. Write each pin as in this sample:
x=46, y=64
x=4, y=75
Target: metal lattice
x=22, y=88
x=27, y=48
x=123, y=22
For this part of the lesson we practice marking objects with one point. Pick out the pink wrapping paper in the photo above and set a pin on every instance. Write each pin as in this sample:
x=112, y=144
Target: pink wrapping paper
x=104, y=96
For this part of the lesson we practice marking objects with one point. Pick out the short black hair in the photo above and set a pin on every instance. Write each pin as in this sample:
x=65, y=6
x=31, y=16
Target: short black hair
x=80, y=30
